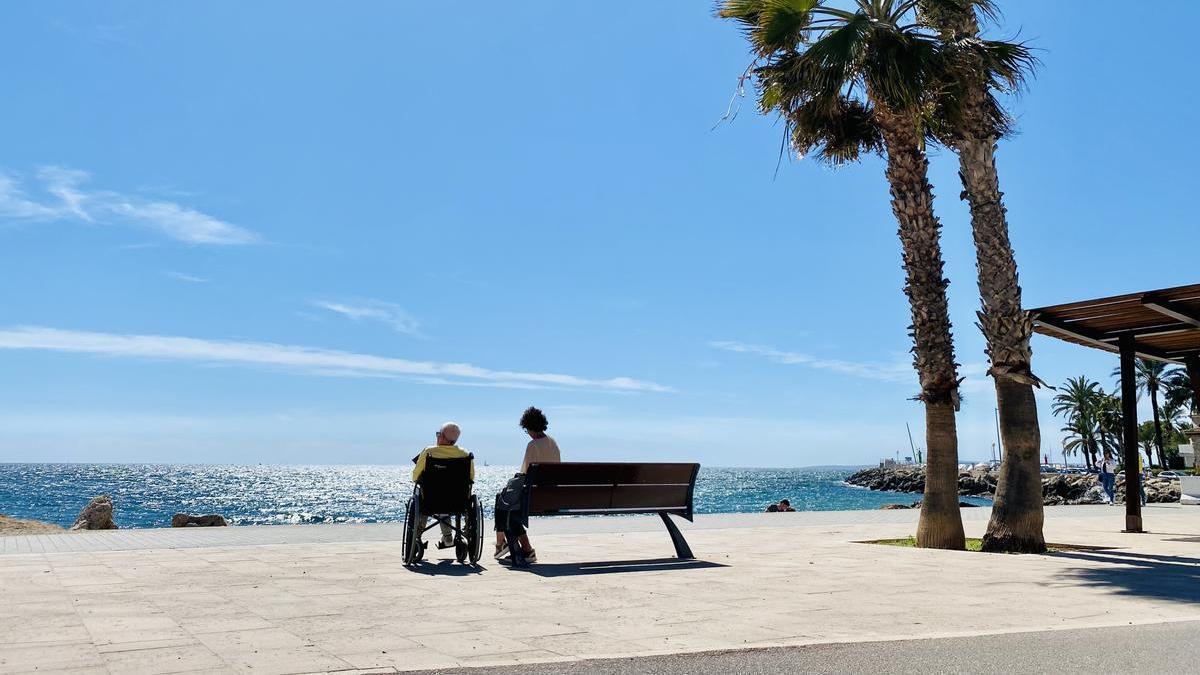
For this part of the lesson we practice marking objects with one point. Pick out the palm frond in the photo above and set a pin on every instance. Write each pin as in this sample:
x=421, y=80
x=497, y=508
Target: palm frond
x=902, y=66
x=771, y=25
x=837, y=133
x=1006, y=65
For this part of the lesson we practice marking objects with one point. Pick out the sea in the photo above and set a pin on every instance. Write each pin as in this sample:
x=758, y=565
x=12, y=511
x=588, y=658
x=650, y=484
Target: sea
x=147, y=495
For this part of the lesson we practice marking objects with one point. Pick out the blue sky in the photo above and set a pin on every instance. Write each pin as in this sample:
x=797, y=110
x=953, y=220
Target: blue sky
x=307, y=232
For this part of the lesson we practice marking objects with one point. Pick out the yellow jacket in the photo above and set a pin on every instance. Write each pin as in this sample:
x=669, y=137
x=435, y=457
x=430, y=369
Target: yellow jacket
x=440, y=452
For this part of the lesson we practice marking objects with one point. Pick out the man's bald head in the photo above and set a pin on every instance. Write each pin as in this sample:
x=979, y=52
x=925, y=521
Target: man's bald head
x=450, y=433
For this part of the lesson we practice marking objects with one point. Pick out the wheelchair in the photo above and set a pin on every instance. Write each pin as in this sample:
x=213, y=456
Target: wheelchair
x=445, y=488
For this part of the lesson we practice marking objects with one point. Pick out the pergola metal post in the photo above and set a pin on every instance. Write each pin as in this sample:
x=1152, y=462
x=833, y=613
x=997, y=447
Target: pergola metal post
x=1127, y=346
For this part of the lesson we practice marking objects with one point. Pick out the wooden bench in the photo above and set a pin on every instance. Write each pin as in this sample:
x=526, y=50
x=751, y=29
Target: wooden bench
x=609, y=488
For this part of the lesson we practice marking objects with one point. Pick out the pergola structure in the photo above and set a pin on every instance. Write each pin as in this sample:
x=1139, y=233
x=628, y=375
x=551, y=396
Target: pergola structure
x=1162, y=325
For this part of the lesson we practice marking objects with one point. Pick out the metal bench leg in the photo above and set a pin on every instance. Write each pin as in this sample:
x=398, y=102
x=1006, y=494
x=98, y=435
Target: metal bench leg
x=681, y=545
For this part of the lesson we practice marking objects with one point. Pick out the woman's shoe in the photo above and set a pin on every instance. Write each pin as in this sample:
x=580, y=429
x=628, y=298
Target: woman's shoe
x=502, y=551
x=531, y=557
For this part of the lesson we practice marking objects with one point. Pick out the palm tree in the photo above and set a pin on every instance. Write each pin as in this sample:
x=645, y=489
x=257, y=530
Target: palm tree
x=1148, y=435
x=1110, y=418
x=1149, y=376
x=848, y=82
x=1080, y=438
x=1178, y=389
x=974, y=122
x=1174, y=422
x=1080, y=401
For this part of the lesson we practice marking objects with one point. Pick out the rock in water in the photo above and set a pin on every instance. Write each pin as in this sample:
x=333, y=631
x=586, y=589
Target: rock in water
x=185, y=520
x=97, y=515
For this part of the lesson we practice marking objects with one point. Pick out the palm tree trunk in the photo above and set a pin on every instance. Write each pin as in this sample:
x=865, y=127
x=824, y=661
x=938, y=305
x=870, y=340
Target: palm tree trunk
x=1158, y=441
x=933, y=346
x=1017, y=518
x=1016, y=523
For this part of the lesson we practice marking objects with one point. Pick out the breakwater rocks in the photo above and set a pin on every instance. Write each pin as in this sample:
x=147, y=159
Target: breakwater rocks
x=1056, y=488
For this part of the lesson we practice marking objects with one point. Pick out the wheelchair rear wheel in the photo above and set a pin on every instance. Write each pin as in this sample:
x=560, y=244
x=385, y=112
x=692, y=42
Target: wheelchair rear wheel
x=475, y=530
x=411, y=547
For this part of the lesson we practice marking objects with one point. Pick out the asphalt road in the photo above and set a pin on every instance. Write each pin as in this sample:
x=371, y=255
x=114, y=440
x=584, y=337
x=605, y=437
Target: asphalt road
x=1155, y=648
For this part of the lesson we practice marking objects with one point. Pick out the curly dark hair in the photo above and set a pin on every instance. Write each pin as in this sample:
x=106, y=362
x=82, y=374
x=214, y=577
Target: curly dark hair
x=534, y=420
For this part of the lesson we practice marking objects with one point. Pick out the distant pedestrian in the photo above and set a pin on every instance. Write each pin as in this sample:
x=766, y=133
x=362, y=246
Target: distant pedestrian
x=1108, y=476
x=1144, y=474
x=785, y=505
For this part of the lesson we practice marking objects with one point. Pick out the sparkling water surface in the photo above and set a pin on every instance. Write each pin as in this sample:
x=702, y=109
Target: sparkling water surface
x=147, y=495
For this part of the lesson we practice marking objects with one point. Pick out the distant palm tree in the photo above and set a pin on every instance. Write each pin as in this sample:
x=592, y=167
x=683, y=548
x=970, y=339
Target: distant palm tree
x=1147, y=437
x=1080, y=401
x=849, y=82
x=1175, y=420
x=1109, y=416
x=973, y=123
x=1149, y=377
x=1081, y=438
x=1178, y=389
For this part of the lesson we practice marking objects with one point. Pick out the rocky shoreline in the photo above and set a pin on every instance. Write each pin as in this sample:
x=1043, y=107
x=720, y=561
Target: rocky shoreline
x=1056, y=489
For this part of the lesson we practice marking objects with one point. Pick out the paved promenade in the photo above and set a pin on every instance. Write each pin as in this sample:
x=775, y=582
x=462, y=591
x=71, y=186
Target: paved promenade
x=330, y=598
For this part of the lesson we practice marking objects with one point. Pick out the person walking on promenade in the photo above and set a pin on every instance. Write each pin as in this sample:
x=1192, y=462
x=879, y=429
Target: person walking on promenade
x=541, y=449
x=446, y=448
x=1145, y=473
x=1108, y=476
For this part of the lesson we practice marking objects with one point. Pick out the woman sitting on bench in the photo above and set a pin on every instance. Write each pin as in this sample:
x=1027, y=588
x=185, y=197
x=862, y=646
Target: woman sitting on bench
x=541, y=450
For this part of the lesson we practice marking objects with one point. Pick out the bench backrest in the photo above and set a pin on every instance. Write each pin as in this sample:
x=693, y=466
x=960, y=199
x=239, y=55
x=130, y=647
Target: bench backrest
x=577, y=488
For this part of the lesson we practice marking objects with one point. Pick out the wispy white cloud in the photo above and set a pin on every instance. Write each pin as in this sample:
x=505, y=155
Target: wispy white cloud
x=975, y=380
x=180, y=276
x=64, y=197
x=386, y=313
x=304, y=359
x=895, y=371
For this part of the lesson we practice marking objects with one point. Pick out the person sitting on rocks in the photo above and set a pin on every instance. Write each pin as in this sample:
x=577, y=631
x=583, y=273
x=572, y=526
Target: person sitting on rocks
x=446, y=438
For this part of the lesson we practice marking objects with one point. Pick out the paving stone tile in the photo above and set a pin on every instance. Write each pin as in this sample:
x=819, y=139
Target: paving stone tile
x=286, y=661
x=471, y=643
x=138, y=628
x=48, y=657
x=163, y=660
x=359, y=641
x=414, y=659
x=240, y=641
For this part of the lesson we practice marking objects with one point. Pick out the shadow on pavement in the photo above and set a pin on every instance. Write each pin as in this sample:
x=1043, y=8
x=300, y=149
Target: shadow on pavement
x=1165, y=577
x=615, y=567
x=446, y=568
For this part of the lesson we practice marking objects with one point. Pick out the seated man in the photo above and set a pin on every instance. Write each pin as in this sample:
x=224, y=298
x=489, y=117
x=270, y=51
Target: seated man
x=447, y=436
